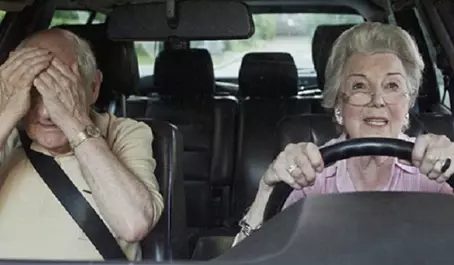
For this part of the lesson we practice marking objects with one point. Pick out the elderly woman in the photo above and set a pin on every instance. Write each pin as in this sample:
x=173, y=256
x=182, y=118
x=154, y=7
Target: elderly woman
x=372, y=80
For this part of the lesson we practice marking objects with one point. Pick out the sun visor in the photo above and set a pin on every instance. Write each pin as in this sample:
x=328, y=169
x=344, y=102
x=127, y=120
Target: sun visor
x=191, y=20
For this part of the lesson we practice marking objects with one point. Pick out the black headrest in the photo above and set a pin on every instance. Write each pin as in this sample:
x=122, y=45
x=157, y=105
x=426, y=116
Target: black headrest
x=322, y=43
x=268, y=75
x=184, y=73
x=116, y=60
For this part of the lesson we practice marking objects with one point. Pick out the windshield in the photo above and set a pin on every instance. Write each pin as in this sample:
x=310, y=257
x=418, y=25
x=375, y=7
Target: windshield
x=290, y=33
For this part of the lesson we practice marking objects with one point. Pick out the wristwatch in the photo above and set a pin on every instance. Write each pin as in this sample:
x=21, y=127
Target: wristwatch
x=90, y=131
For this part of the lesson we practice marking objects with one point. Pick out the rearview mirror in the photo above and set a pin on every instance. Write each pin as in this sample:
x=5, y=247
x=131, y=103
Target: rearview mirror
x=192, y=20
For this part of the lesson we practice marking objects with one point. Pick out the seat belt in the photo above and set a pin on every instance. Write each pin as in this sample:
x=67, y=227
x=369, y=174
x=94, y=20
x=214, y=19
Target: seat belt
x=73, y=201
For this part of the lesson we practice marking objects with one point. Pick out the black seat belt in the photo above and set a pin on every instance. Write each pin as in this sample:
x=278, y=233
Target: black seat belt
x=73, y=201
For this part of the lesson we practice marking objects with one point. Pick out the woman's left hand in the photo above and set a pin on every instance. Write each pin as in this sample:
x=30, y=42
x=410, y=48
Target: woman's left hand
x=434, y=156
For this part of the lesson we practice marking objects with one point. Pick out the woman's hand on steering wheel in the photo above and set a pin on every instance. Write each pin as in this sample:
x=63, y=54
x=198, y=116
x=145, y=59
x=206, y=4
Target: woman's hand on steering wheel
x=433, y=155
x=297, y=166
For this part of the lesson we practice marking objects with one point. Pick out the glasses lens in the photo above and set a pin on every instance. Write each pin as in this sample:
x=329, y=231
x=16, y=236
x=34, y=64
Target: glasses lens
x=393, y=97
x=362, y=98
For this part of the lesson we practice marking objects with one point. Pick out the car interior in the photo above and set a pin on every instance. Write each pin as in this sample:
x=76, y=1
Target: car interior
x=223, y=96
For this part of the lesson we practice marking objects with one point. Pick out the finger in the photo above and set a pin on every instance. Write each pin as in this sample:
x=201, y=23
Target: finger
x=281, y=174
x=281, y=165
x=64, y=70
x=30, y=69
x=428, y=162
x=419, y=149
x=13, y=64
x=16, y=53
x=307, y=170
x=62, y=81
x=75, y=69
x=45, y=85
x=433, y=174
x=448, y=173
x=315, y=157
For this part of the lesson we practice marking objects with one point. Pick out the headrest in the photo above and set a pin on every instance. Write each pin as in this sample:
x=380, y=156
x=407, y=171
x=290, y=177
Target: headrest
x=322, y=43
x=184, y=73
x=268, y=75
x=116, y=60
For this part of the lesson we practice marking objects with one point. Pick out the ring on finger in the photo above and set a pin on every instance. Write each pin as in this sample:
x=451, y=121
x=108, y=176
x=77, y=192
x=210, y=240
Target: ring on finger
x=291, y=169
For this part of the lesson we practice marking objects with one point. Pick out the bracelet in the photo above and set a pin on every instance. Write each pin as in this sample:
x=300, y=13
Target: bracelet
x=246, y=228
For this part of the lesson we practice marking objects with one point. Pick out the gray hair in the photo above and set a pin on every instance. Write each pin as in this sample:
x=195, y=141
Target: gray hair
x=369, y=38
x=86, y=60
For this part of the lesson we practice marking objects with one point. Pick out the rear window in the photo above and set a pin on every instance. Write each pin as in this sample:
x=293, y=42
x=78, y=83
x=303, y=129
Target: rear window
x=2, y=15
x=290, y=33
x=146, y=55
x=75, y=17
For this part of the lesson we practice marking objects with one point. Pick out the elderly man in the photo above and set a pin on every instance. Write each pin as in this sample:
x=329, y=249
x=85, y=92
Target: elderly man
x=47, y=86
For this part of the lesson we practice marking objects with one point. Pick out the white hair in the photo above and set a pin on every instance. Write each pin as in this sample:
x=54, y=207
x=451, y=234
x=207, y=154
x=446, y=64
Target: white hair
x=369, y=38
x=86, y=60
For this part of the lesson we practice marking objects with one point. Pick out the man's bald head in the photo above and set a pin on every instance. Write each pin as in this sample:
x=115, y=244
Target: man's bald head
x=68, y=47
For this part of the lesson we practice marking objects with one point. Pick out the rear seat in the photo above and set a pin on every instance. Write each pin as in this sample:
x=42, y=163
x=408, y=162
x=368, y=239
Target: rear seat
x=120, y=72
x=268, y=86
x=183, y=95
x=322, y=43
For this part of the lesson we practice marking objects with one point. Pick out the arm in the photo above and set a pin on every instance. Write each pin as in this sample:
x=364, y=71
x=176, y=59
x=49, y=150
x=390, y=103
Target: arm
x=254, y=217
x=9, y=137
x=122, y=180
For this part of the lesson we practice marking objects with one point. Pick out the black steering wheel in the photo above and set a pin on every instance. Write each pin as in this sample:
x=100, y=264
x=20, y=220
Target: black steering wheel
x=339, y=151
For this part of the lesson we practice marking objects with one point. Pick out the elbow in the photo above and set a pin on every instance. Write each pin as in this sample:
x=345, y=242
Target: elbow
x=138, y=230
x=144, y=222
x=142, y=225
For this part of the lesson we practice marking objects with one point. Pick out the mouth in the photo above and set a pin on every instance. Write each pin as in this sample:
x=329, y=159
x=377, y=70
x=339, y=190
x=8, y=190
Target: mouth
x=49, y=126
x=376, y=121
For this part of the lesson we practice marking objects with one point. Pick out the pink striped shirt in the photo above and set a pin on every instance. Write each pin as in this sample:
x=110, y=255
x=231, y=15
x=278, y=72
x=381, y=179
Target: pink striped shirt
x=335, y=179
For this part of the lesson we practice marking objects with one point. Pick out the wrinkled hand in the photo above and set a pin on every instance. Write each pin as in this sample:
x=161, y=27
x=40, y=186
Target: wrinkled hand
x=16, y=78
x=63, y=94
x=296, y=165
x=430, y=153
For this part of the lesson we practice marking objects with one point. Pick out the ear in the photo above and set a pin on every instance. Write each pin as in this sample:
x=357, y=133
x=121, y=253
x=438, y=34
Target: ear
x=338, y=114
x=95, y=87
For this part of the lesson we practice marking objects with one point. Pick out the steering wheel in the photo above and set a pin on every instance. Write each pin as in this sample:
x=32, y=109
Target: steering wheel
x=339, y=151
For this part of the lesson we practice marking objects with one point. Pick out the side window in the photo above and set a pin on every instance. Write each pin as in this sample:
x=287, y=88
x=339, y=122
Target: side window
x=75, y=17
x=2, y=15
x=146, y=55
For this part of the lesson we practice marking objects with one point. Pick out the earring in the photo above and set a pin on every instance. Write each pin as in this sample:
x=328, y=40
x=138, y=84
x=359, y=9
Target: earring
x=338, y=116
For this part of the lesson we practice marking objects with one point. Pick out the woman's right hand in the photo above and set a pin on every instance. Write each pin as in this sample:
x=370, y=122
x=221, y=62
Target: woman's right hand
x=297, y=166
x=16, y=78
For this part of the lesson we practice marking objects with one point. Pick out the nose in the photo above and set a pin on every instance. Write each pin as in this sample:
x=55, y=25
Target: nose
x=377, y=99
x=41, y=110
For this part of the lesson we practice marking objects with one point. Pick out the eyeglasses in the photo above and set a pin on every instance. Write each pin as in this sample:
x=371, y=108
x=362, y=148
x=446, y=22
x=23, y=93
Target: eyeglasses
x=362, y=98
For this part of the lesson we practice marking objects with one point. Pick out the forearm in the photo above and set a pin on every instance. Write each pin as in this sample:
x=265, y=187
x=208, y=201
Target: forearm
x=254, y=216
x=8, y=120
x=124, y=201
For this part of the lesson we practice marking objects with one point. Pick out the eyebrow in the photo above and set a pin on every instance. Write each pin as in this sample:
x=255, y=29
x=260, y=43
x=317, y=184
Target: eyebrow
x=363, y=75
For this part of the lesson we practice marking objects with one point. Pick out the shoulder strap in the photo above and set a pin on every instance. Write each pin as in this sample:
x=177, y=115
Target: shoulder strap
x=73, y=201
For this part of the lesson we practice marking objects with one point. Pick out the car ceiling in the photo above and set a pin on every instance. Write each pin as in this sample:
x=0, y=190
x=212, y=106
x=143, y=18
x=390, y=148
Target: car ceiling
x=368, y=8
